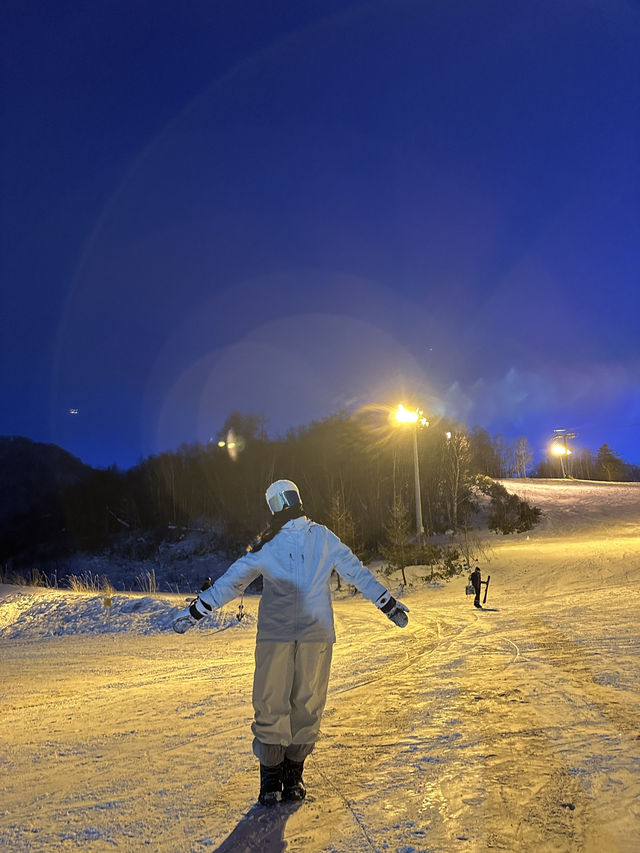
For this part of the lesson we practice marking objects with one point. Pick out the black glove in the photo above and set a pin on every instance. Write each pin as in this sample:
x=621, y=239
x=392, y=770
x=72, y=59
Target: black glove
x=395, y=610
x=191, y=615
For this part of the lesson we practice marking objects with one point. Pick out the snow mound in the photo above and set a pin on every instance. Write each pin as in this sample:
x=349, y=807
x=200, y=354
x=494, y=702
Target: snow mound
x=52, y=613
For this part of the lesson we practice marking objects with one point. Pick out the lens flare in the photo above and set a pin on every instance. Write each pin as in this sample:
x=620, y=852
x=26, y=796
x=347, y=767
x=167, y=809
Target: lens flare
x=404, y=416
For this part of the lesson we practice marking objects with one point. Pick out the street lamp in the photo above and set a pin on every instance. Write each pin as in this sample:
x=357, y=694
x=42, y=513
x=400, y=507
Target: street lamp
x=562, y=449
x=404, y=416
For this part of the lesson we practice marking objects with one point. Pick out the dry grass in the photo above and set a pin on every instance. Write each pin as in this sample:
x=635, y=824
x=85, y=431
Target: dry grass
x=147, y=581
x=88, y=582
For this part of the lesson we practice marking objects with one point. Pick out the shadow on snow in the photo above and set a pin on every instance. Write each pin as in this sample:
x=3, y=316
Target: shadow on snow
x=260, y=829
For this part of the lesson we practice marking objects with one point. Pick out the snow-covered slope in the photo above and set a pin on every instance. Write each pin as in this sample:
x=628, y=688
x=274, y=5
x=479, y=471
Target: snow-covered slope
x=513, y=728
x=572, y=507
x=587, y=539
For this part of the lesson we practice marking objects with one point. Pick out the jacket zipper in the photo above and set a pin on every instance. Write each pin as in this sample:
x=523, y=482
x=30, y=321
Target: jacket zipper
x=294, y=576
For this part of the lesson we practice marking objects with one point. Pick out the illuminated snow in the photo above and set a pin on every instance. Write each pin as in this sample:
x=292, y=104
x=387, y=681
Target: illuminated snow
x=515, y=729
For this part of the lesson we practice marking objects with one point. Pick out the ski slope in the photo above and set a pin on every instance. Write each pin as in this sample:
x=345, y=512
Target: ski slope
x=514, y=728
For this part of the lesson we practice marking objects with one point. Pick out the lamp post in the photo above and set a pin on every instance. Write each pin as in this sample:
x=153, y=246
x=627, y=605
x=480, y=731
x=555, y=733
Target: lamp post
x=562, y=450
x=404, y=416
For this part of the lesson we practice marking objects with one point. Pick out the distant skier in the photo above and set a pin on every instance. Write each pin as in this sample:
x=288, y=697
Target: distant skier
x=476, y=580
x=295, y=633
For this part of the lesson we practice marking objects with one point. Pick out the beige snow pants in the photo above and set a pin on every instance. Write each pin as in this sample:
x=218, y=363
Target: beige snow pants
x=289, y=694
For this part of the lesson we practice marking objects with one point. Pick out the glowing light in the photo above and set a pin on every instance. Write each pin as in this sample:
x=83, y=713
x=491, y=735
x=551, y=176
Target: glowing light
x=404, y=416
x=560, y=450
x=222, y=444
x=235, y=445
x=73, y=411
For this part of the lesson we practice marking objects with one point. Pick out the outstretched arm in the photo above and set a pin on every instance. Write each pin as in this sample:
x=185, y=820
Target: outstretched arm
x=229, y=586
x=354, y=572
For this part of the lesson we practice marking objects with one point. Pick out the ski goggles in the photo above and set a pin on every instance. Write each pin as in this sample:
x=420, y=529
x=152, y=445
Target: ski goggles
x=282, y=500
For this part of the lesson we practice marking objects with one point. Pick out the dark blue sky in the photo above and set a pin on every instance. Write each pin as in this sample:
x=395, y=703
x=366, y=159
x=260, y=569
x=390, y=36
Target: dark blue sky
x=291, y=208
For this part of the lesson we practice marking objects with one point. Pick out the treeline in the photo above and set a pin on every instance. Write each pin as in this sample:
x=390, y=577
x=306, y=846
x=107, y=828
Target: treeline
x=583, y=464
x=354, y=473
x=350, y=470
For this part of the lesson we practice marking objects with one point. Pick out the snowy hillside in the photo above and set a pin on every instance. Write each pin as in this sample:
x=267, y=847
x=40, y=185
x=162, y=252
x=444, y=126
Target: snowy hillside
x=513, y=728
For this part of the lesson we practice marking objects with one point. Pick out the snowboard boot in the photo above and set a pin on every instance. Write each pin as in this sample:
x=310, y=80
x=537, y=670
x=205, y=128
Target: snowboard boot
x=270, y=785
x=292, y=785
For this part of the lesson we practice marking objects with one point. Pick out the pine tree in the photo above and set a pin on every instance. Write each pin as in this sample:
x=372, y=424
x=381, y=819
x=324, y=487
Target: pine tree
x=342, y=524
x=609, y=465
x=397, y=549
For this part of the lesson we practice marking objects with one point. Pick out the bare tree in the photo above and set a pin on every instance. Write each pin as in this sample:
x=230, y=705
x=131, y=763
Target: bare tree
x=456, y=468
x=522, y=456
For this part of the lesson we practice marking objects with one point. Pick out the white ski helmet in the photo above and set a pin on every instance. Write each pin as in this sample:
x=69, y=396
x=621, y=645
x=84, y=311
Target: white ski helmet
x=282, y=494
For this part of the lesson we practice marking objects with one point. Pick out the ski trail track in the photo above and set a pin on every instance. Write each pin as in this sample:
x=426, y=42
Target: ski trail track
x=542, y=739
x=513, y=728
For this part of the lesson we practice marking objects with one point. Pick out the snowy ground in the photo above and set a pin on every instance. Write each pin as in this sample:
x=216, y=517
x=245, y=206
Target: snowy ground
x=516, y=728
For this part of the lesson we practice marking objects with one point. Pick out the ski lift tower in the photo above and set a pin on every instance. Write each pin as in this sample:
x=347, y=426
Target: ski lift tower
x=560, y=447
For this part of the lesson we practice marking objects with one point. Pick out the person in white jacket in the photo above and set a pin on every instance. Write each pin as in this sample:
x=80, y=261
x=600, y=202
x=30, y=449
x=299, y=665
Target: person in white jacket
x=295, y=633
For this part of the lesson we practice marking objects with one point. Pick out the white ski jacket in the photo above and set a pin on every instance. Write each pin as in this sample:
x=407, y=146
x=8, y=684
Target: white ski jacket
x=296, y=567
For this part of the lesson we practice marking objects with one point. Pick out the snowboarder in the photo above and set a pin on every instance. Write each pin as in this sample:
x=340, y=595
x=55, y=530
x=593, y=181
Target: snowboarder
x=476, y=580
x=295, y=633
